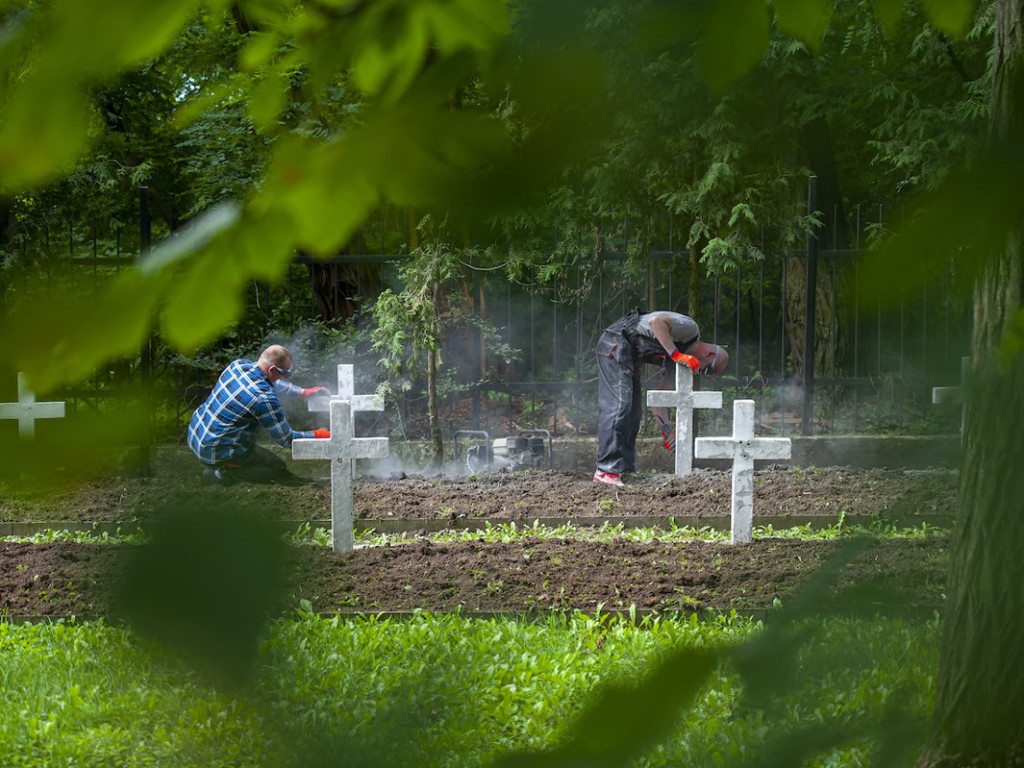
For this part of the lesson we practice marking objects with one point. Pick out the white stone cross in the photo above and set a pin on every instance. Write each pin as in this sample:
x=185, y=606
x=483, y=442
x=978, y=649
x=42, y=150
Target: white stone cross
x=942, y=395
x=684, y=400
x=346, y=391
x=27, y=410
x=743, y=448
x=340, y=449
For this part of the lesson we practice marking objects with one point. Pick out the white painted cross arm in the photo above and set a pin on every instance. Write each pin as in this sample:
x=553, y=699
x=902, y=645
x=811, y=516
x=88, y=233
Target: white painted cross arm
x=346, y=391
x=684, y=400
x=952, y=394
x=943, y=395
x=27, y=410
x=742, y=447
x=342, y=444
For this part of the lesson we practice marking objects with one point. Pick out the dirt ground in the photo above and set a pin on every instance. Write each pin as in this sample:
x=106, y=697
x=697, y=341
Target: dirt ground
x=86, y=580
x=778, y=491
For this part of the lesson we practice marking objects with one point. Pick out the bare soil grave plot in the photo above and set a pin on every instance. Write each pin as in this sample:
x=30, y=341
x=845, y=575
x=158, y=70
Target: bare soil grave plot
x=779, y=492
x=66, y=578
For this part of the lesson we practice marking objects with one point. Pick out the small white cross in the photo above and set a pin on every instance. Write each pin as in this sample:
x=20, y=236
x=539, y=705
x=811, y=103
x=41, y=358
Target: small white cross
x=743, y=448
x=941, y=395
x=341, y=449
x=684, y=400
x=27, y=410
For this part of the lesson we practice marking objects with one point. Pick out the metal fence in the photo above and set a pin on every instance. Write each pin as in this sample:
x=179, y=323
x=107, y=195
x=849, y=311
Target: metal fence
x=874, y=375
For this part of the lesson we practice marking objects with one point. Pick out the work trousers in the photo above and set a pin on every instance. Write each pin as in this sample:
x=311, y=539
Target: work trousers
x=618, y=402
x=257, y=465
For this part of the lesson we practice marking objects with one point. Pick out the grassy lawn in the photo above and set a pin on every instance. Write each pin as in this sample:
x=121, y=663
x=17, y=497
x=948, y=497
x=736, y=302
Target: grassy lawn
x=453, y=691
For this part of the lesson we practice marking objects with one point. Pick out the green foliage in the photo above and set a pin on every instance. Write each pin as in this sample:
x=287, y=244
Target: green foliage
x=311, y=118
x=448, y=690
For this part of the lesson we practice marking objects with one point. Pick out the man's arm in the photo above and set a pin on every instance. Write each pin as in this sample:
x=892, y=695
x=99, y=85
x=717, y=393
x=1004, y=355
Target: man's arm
x=662, y=327
x=272, y=418
x=283, y=387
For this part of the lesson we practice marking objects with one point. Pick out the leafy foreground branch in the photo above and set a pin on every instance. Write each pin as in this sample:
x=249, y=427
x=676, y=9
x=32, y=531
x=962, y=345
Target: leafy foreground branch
x=454, y=691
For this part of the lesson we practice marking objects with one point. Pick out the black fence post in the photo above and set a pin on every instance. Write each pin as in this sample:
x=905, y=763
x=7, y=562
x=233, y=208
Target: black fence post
x=146, y=358
x=809, y=313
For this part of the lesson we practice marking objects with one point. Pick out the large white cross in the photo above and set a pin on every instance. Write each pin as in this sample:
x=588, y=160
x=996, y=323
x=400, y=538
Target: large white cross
x=743, y=448
x=684, y=400
x=341, y=449
x=27, y=410
x=941, y=395
x=346, y=391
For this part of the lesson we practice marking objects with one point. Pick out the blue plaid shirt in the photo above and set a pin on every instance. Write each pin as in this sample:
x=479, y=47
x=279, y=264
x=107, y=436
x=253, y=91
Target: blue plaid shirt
x=242, y=401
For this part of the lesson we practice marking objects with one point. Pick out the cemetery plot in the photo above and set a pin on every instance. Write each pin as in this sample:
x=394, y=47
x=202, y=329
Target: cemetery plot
x=64, y=578
x=778, y=492
x=67, y=578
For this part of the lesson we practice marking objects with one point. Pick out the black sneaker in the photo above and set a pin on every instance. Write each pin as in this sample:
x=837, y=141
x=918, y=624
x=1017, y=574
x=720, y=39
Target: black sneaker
x=212, y=477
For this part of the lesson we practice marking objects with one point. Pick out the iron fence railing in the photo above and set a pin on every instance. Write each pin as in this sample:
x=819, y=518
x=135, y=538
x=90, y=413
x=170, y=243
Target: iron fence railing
x=874, y=368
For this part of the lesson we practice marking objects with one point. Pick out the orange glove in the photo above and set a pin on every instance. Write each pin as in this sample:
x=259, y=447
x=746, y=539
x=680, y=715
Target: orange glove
x=310, y=391
x=323, y=433
x=690, y=360
x=668, y=437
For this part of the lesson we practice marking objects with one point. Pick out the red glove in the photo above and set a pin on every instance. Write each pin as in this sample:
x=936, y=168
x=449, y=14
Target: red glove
x=690, y=360
x=310, y=391
x=668, y=437
x=323, y=433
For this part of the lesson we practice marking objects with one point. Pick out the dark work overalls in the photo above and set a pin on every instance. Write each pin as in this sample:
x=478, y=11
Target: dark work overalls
x=620, y=353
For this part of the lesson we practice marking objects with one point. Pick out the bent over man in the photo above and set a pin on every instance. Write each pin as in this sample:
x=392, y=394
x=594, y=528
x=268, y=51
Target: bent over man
x=659, y=337
x=222, y=432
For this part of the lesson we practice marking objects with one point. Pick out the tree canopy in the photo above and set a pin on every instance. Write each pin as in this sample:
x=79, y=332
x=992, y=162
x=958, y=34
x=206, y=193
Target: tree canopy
x=273, y=127
x=277, y=126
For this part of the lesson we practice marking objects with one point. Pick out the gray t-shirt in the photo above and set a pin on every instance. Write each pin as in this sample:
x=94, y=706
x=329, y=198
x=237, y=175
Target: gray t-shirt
x=684, y=330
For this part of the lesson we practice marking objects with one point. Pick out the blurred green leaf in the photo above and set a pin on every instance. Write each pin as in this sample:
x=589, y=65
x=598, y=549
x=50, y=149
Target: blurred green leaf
x=186, y=242
x=65, y=341
x=320, y=191
x=1012, y=344
x=625, y=720
x=43, y=128
x=258, y=51
x=950, y=16
x=84, y=446
x=394, y=39
x=806, y=20
x=204, y=586
x=548, y=81
x=667, y=22
x=45, y=118
x=475, y=24
x=963, y=224
x=267, y=100
x=203, y=300
x=734, y=40
x=889, y=13
x=121, y=33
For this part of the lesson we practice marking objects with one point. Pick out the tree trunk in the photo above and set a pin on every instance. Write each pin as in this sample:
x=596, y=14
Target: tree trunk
x=819, y=149
x=341, y=290
x=827, y=340
x=433, y=404
x=433, y=411
x=693, y=289
x=980, y=683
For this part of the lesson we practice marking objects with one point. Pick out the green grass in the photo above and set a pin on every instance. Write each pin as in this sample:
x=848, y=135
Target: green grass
x=506, y=532
x=452, y=691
